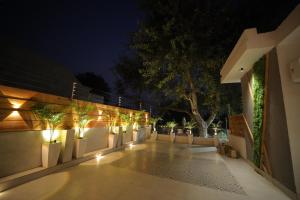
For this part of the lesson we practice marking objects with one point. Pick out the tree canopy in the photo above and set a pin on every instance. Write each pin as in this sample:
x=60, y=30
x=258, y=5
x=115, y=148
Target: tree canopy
x=181, y=46
x=94, y=81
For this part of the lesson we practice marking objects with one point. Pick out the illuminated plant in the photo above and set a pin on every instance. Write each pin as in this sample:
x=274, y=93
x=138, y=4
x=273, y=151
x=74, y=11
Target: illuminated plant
x=216, y=127
x=82, y=116
x=137, y=117
x=112, y=119
x=171, y=125
x=190, y=125
x=49, y=115
x=153, y=121
x=126, y=120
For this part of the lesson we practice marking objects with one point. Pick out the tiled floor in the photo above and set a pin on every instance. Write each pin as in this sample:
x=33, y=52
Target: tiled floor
x=153, y=171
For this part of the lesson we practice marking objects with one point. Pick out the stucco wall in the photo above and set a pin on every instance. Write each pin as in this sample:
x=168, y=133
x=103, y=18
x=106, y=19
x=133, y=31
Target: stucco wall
x=248, y=107
x=277, y=140
x=97, y=138
x=239, y=144
x=288, y=52
x=20, y=151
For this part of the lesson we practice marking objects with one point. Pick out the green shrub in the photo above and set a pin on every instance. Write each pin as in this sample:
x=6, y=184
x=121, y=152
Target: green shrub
x=258, y=101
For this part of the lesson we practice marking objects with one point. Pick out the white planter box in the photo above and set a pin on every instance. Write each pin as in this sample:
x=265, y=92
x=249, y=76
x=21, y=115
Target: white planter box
x=141, y=134
x=79, y=147
x=112, y=140
x=190, y=138
x=135, y=135
x=67, y=145
x=153, y=136
x=50, y=154
x=172, y=137
x=120, y=139
x=148, y=131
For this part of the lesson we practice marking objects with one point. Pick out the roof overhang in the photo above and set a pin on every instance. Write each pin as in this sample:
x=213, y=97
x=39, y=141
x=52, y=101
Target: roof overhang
x=251, y=46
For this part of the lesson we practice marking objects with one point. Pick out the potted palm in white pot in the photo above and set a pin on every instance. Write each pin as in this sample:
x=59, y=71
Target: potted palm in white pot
x=52, y=118
x=216, y=127
x=82, y=119
x=126, y=121
x=171, y=125
x=113, y=130
x=153, y=121
x=137, y=126
x=189, y=126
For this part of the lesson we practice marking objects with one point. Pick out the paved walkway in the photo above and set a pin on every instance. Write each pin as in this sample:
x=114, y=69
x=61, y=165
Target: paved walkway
x=153, y=171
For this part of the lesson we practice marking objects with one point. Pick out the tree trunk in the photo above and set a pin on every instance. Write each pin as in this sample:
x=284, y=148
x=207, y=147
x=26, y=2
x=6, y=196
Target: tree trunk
x=202, y=124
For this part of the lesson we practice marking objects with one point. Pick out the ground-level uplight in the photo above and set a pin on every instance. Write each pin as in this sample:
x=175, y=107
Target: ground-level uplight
x=131, y=146
x=98, y=157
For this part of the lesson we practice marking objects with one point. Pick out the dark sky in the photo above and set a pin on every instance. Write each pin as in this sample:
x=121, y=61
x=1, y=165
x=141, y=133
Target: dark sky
x=83, y=35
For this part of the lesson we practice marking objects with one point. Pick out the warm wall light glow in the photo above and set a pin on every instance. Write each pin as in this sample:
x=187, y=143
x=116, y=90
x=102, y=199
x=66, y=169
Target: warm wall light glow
x=14, y=114
x=131, y=146
x=100, y=115
x=115, y=129
x=46, y=135
x=16, y=103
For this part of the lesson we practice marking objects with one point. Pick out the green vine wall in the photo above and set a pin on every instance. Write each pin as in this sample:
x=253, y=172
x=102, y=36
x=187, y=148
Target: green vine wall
x=258, y=101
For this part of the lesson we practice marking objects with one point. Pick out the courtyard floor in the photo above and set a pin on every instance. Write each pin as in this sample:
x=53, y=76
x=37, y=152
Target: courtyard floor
x=153, y=170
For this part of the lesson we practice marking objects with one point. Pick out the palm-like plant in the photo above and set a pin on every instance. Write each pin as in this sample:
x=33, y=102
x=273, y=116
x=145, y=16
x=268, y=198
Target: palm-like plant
x=126, y=120
x=171, y=125
x=216, y=126
x=153, y=121
x=190, y=125
x=82, y=116
x=137, y=118
x=112, y=119
x=49, y=115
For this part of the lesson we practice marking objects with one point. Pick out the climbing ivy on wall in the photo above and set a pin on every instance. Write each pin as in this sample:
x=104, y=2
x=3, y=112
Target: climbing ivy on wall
x=258, y=98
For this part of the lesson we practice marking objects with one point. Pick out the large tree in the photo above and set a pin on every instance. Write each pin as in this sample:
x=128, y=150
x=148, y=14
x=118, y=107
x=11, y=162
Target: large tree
x=181, y=54
x=96, y=82
x=182, y=44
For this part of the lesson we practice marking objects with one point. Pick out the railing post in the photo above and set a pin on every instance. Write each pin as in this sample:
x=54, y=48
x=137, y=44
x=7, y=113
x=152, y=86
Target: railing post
x=120, y=101
x=73, y=90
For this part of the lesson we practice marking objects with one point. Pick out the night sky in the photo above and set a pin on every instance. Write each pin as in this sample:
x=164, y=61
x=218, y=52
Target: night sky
x=82, y=35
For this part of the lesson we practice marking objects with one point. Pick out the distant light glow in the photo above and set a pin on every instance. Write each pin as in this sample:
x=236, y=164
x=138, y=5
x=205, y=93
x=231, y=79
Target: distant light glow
x=47, y=134
x=14, y=114
x=131, y=146
x=100, y=115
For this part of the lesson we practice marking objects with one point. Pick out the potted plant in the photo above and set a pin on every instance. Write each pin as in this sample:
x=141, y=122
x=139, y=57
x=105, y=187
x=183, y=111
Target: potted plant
x=216, y=127
x=52, y=118
x=153, y=121
x=171, y=125
x=82, y=119
x=136, y=125
x=126, y=121
x=113, y=129
x=189, y=126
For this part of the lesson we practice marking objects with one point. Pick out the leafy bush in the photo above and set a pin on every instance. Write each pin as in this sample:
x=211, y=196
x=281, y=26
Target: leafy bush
x=82, y=116
x=50, y=115
x=154, y=120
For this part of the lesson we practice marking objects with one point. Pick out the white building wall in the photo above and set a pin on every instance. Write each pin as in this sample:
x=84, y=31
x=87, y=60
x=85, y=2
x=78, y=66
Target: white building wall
x=288, y=52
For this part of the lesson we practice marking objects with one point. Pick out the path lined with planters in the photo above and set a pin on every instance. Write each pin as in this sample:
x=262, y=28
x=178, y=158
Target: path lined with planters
x=154, y=170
